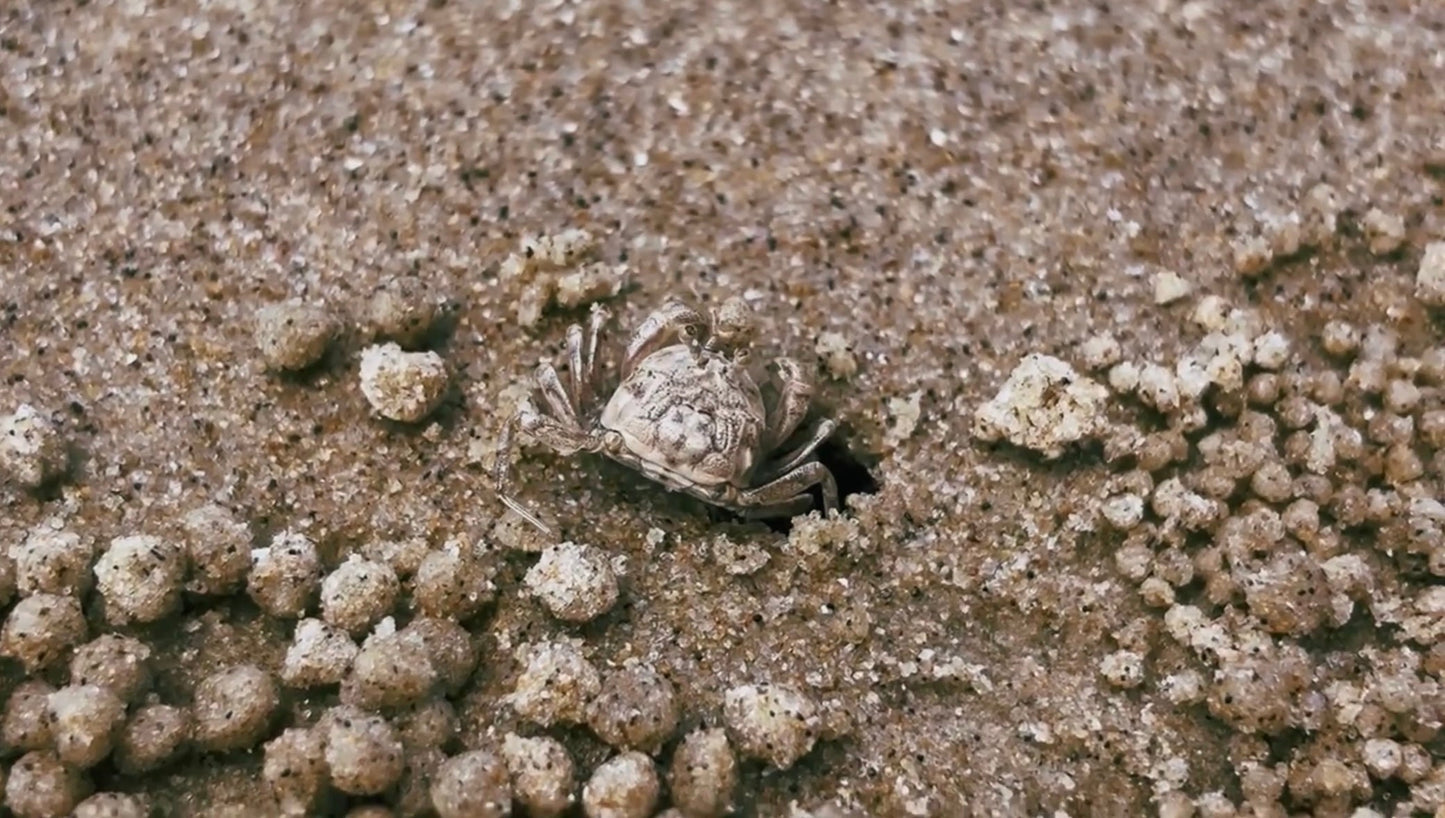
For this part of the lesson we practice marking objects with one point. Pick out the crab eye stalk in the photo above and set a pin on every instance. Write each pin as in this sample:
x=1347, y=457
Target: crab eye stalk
x=732, y=324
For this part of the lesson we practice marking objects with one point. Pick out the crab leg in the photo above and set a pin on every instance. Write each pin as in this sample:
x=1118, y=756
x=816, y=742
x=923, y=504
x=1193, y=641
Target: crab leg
x=787, y=488
x=793, y=401
x=562, y=438
x=788, y=508
x=598, y=319
x=555, y=394
x=582, y=354
x=820, y=433
x=558, y=436
x=657, y=330
x=502, y=474
x=577, y=368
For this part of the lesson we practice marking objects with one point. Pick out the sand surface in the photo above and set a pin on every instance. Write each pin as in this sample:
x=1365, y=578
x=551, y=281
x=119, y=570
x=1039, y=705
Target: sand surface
x=946, y=188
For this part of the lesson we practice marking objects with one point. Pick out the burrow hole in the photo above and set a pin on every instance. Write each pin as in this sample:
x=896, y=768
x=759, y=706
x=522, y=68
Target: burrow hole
x=852, y=470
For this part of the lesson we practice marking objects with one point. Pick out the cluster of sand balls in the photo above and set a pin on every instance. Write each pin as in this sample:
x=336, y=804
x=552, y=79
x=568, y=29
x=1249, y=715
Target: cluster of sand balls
x=136, y=578
x=393, y=733
x=394, y=730
x=104, y=711
x=1291, y=488
x=636, y=710
x=382, y=628
x=107, y=712
x=399, y=379
x=563, y=270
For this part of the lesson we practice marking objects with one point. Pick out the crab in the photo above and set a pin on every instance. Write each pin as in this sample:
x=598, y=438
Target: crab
x=687, y=413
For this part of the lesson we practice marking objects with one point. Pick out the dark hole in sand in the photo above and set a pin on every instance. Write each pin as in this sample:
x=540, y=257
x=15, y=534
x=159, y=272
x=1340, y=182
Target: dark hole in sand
x=851, y=470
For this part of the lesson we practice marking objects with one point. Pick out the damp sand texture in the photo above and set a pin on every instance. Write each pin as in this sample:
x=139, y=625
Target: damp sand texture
x=1128, y=314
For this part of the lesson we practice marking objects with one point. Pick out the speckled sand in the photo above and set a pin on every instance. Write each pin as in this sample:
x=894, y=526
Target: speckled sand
x=946, y=187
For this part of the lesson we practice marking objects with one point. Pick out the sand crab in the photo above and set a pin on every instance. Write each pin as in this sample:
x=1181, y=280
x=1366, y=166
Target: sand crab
x=686, y=413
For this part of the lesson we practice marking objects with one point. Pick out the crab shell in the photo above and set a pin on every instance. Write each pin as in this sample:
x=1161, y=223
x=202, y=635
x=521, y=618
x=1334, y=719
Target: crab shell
x=689, y=415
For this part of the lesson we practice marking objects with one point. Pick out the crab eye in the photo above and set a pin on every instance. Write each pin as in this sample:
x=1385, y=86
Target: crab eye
x=741, y=355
